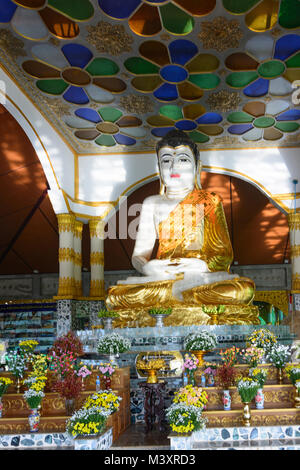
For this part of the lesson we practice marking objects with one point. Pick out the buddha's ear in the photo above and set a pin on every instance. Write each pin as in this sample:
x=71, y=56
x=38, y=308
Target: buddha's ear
x=198, y=175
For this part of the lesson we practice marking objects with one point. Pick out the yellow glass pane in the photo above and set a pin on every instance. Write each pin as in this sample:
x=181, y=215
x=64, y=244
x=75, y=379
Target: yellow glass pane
x=272, y=134
x=156, y=52
x=255, y=108
x=292, y=74
x=210, y=129
x=196, y=7
x=159, y=121
x=145, y=21
x=146, y=84
x=189, y=92
x=203, y=63
x=264, y=16
x=193, y=111
x=241, y=61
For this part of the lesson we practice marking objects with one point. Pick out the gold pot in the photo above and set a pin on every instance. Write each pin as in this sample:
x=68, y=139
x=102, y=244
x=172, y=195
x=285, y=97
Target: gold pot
x=200, y=356
x=152, y=377
x=246, y=414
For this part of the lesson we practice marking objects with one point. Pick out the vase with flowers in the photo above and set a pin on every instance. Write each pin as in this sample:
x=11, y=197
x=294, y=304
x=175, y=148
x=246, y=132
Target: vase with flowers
x=159, y=314
x=87, y=422
x=69, y=388
x=252, y=356
x=225, y=378
x=5, y=382
x=17, y=364
x=210, y=371
x=107, y=370
x=113, y=345
x=247, y=388
x=293, y=373
x=189, y=366
x=33, y=398
x=262, y=338
x=279, y=355
x=67, y=344
x=200, y=343
x=260, y=376
x=83, y=371
x=107, y=317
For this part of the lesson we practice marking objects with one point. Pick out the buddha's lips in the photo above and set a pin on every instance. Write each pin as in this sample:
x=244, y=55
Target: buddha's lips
x=175, y=175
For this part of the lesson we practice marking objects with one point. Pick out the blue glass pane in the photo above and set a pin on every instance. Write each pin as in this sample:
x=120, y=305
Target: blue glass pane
x=77, y=55
x=124, y=139
x=7, y=9
x=186, y=125
x=161, y=131
x=209, y=118
x=182, y=51
x=239, y=128
x=89, y=114
x=258, y=88
x=286, y=46
x=166, y=92
x=173, y=73
x=119, y=8
x=76, y=95
x=291, y=115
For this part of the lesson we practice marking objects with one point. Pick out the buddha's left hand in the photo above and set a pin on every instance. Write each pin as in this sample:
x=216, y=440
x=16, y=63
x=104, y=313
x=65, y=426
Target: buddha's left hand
x=187, y=265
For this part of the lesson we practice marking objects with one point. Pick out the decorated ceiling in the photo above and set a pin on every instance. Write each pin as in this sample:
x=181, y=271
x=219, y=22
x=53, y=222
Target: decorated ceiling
x=116, y=75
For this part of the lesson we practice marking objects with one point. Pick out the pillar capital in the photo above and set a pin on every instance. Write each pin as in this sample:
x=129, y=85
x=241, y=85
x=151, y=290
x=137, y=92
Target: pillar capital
x=78, y=227
x=66, y=222
x=294, y=220
x=96, y=226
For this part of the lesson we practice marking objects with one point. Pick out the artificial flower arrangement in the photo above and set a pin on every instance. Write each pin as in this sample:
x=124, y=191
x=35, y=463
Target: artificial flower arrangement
x=87, y=422
x=16, y=363
x=104, y=400
x=39, y=363
x=27, y=346
x=113, y=344
x=107, y=369
x=262, y=338
x=185, y=413
x=252, y=355
x=230, y=356
x=293, y=373
x=5, y=382
x=225, y=376
x=247, y=388
x=214, y=309
x=259, y=375
x=69, y=387
x=279, y=355
x=67, y=344
x=160, y=311
x=107, y=314
x=33, y=397
x=203, y=341
x=83, y=371
x=62, y=364
x=190, y=363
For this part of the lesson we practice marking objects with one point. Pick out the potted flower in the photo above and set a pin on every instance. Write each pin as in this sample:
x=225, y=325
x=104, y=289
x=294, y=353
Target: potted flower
x=260, y=376
x=112, y=345
x=107, y=317
x=87, y=422
x=82, y=371
x=159, y=314
x=17, y=365
x=4, y=384
x=105, y=400
x=185, y=418
x=225, y=378
x=279, y=355
x=69, y=388
x=199, y=343
x=190, y=364
x=107, y=370
x=262, y=338
x=33, y=397
x=247, y=388
x=293, y=373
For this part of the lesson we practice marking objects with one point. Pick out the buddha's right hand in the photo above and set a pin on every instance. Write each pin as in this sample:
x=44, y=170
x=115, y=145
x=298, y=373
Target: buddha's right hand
x=156, y=267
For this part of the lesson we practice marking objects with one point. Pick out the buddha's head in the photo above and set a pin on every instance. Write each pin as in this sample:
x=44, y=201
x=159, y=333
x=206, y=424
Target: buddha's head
x=178, y=161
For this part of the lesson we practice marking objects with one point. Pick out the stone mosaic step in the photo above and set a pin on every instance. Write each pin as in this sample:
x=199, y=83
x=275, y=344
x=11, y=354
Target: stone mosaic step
x=265, y=417
x=271, y=444
x=49, y=441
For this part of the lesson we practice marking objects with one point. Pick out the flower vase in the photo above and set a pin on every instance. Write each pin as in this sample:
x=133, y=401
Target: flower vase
x=18, y=386
x=82, y=384
x=1, y=407
x=226, y=399
x=259, y=399
x=70, y=406
x=34, y=420
x=107, y=382
x=159, y=319
x=200, y=356
x=297, y=398
x=191, y=378
x=280, y=376
x=107, y=323
x=210, y=380
x=246, y=414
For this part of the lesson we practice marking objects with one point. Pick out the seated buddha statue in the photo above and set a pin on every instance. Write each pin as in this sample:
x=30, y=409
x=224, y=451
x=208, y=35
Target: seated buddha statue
x=191, y=267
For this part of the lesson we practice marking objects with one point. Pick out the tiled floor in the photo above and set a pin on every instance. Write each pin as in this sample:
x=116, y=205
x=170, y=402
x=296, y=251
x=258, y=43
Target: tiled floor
x=135, y=437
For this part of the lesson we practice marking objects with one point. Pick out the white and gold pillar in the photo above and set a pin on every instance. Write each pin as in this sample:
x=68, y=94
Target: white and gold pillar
x=78, y=226
x=96, y=227
x=294, y=225
x=66, y=282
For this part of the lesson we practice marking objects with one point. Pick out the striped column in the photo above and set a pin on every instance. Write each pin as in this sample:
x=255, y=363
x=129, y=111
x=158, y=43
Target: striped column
x=96, y=227
x=78, y=257
x=66, y=282
x=294, y=225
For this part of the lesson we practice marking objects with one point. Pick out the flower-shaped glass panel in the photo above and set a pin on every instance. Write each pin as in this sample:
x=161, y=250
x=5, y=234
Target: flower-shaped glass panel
x=35, y=19
x=192, y=118
x=73, y=72
x=259, y=120
x=148, y=17
x=178, y=70
x=106, y=127
x=266, y=66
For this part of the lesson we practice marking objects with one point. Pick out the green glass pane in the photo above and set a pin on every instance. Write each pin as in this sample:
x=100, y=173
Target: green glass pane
x=110, y=114
x=76, y=9
x=101, y=66
x=287, y=126
x=239, y=117
x=140, y=66
x=54, y=87
x=171, y=112
x=264, y=121
x=289, y=14
x=293, y=61
x=241, y=79
x=271, y=69
x=175, y=20
x=206, y=81
x=239, y=6
x=198, y=137
x=106, y=140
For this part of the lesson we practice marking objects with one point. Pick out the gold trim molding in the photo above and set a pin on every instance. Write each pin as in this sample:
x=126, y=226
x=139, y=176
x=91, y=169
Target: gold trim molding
x=296, y=282
x=66, y=286
x=96, y=227
x=97, y=258
x=294, y=220
x=66, y=222
x=295, y=251
x=97, y=288
x=66, y=255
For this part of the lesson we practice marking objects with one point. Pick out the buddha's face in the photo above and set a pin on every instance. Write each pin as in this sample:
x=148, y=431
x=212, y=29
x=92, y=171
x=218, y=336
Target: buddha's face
x=177, y=167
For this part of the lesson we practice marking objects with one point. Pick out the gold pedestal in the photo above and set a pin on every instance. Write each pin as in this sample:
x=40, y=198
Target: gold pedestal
x=246, y=414
x=152, y=377
x=200, y=356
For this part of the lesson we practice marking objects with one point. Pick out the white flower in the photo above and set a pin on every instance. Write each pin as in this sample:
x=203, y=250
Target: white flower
x=202, y=341
x=113, y=344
